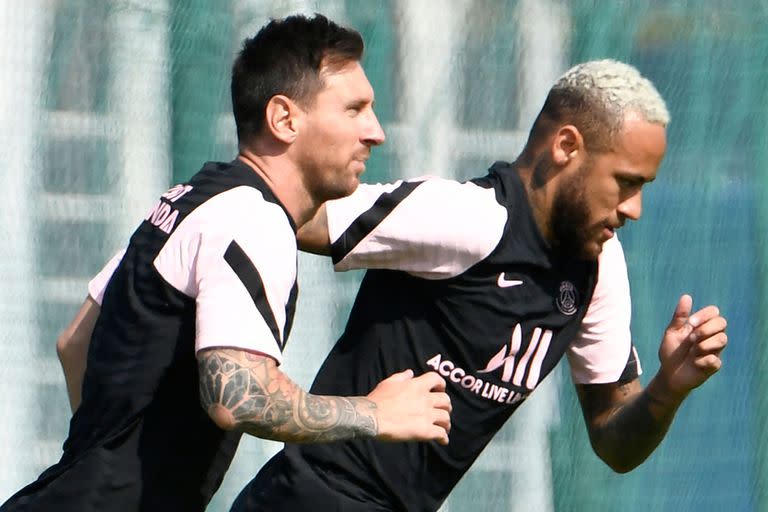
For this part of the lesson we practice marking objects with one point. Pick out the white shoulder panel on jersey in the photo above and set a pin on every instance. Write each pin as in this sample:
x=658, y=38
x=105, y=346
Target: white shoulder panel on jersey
x=98, y=284
x=193, y=262
x=438, y=231
x=601, y=350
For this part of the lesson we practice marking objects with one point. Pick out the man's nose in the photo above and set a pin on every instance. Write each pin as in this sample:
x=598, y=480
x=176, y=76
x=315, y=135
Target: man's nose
x=374, y=133
x=632, y=207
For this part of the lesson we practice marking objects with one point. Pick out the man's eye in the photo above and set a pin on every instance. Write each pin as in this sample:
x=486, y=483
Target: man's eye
x=627, y=182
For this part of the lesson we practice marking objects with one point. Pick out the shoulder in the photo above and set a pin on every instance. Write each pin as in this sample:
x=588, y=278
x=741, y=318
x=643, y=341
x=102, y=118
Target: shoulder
x=612, y=261
x=241, y=210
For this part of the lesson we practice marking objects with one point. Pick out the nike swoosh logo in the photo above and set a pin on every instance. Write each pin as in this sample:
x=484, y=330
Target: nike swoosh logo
x=503, y=282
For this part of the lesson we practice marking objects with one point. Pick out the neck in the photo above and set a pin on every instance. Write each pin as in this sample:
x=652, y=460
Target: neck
x=539, y=192
x=284, y=179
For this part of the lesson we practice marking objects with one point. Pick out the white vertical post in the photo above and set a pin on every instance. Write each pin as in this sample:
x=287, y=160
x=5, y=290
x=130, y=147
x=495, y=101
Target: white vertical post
x=139, y=100
x=543, y=31
x=430, y=32
x=25, y=36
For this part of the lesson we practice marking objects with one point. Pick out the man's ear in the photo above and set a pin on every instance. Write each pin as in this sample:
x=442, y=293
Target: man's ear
x=282, y=118
x=567, y=144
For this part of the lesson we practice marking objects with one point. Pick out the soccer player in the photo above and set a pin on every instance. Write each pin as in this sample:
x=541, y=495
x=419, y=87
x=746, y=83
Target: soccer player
x=491, y=282
x=199, y=306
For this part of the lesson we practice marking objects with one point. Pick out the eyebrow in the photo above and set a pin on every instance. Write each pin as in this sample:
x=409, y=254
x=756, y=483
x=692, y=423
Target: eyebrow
x=633, y=176
x=359, y=103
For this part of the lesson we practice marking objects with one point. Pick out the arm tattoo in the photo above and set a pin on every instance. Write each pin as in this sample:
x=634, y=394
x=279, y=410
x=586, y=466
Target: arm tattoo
x=628, y=432
x=633, y=422
x=262, y=401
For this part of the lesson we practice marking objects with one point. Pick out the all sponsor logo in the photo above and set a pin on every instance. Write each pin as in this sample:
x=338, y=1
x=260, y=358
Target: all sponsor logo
x=474, y=384
x=522, y=371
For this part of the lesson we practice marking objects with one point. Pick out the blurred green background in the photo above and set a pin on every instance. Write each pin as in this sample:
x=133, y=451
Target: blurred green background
x=105, y=103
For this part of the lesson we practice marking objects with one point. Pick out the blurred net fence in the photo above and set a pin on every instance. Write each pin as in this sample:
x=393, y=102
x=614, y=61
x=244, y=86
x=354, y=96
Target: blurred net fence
x=105, y=103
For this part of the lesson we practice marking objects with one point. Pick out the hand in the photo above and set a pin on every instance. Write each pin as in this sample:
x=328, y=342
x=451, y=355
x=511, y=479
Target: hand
x=412, y=409
x=690, y=350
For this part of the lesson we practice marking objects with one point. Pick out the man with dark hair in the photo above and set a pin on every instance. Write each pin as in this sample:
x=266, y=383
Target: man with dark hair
x=490, y=282
x=198, y=307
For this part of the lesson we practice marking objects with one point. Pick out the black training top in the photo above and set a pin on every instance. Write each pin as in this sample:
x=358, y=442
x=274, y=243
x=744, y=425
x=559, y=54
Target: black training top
x=482, y=299
x=213, y=264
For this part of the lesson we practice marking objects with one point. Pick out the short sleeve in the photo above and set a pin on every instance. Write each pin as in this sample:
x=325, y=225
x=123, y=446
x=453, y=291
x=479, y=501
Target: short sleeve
x=430, y=227
x=236, y=255
x=98, y=284
x=602, y=352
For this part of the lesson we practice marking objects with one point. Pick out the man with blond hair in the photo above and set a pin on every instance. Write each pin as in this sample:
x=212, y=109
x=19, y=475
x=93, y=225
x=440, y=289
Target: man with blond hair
x=490, y=283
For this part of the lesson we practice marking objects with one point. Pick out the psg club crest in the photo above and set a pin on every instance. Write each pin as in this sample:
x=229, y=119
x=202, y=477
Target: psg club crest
x=568, y=299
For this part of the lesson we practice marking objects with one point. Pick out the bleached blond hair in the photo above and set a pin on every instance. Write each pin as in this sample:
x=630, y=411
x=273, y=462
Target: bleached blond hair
x=596, y=97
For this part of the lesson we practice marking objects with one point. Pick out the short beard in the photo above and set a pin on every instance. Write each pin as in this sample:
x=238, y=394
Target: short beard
x=327, y=188
x=570, y=216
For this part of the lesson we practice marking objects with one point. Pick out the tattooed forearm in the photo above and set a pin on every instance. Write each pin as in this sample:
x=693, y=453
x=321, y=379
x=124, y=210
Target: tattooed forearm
x=625, y=426
x=632, y=431
x=249, y=393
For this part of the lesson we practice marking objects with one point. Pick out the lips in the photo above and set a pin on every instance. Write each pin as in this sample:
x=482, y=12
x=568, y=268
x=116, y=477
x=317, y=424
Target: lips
x=360, y=166
x=612, y=228
x=361, y=159
x=608, y=232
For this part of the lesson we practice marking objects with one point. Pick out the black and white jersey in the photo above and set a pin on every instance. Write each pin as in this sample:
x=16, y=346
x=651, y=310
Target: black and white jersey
x=466, y=286
x=212, y=265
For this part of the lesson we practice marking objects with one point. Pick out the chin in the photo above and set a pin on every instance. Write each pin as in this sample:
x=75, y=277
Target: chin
x=350, y=187
x=341, y=190
x=588, y=251
x=592, y=251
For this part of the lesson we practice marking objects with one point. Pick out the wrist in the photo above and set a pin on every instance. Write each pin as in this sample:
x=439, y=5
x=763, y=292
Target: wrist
x=663, y=395
x=367, y=410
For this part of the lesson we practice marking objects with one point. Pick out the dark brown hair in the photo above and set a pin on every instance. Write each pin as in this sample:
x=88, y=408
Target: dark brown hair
x=287, y=57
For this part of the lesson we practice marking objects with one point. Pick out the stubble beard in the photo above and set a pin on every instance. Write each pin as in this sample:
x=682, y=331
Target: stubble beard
x=327, y=186
x=570, y=218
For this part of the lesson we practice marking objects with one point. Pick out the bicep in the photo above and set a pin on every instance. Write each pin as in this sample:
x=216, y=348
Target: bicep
x=237, y=384
x=72, y=344
x=223, y=372
x=76, y=337
x=72, y=348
